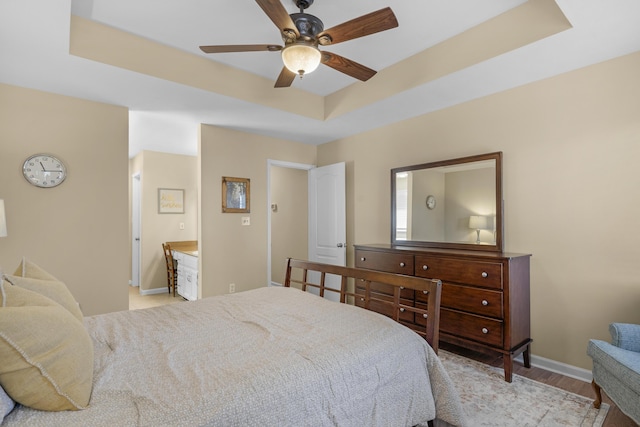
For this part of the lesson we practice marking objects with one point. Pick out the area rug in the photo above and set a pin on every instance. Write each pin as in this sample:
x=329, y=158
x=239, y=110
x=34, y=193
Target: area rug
x=489, y=400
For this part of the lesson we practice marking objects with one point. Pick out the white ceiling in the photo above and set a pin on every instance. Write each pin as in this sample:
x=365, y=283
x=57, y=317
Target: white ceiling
x=34, y=52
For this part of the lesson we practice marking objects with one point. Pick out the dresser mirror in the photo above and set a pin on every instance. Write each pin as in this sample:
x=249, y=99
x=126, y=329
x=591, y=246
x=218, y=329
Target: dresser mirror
x=454, y=204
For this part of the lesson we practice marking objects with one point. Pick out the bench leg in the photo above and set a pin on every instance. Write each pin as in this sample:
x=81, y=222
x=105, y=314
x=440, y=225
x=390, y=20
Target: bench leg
x=526, y=356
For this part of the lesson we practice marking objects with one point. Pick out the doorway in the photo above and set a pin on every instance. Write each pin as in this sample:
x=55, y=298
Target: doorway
x=287, y=216
x=135, y=230
x=302, y=198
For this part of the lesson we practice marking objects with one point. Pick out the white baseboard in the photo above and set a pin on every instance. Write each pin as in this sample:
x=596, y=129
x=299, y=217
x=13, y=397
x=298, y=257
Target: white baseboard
x=275, y=284
x=559, y=368
x=153, y=291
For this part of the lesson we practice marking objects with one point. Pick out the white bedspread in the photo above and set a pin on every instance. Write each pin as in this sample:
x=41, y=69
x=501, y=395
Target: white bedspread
x=267, y=357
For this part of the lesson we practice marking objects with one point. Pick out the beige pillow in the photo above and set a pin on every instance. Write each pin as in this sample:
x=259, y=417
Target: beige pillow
x=52, y=289
x=29, y=269
x=46, y=354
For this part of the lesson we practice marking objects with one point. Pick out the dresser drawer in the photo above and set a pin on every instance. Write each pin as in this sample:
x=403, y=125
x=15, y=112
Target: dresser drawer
x=420, y=319
x=383, y=288
x=384, y=261
x=384, y=308
x=483, y=302
x=485, y=274
x=481, y=329
x=474, y=300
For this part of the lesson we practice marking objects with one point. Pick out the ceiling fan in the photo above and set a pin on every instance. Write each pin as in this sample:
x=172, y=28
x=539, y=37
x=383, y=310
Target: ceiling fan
x=302, y=33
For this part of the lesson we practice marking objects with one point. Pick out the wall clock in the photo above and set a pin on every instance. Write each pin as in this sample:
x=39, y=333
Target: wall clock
x=44, y=170
x=431, y=202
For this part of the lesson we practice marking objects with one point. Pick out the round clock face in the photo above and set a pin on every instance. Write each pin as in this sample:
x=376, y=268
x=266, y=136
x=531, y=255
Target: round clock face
x=431, y=202
x=44, y=170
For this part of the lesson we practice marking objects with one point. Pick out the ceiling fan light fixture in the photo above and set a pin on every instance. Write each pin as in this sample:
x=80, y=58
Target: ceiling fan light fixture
x=301, y=58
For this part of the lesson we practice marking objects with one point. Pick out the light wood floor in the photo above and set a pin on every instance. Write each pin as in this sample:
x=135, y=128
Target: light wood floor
x=615, y=418
x=137, y=301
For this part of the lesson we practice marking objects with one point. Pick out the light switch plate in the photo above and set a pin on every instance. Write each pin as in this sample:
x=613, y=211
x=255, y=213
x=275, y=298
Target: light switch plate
x=246, y=220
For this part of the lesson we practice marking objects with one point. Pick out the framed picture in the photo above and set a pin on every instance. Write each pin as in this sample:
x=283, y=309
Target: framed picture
x=170, y=201
x=235, y=195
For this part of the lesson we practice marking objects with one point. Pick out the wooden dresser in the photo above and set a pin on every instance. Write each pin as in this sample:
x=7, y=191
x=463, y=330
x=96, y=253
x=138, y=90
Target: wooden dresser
x=485, y=295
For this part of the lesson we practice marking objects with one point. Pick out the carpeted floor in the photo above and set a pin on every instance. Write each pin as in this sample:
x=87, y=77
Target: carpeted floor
x=489, y=400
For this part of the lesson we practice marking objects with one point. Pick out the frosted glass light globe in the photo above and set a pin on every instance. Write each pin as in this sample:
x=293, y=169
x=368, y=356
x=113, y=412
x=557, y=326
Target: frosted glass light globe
x=301, y=58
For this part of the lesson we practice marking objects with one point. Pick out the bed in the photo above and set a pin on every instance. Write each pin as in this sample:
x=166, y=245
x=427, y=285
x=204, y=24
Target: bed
x=273, y=356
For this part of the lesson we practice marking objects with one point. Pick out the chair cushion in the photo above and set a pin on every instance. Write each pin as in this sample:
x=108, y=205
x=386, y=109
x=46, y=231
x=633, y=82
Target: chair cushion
x=622, y=364
x=46, y=353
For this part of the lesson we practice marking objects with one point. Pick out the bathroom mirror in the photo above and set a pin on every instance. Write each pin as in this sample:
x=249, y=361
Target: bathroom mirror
x=454, y=204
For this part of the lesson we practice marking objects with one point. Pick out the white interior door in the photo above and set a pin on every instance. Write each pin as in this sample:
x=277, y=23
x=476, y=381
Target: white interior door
x=135, y=231
x=327, y=219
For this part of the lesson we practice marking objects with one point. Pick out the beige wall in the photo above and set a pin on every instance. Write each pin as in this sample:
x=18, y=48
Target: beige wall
x=229, y=251
x=162, y=170
x=77, y=231
x=571, y=146
x=289, y=224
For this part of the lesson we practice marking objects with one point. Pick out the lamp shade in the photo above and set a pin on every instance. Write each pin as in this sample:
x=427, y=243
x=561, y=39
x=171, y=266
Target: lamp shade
x=3, y=220
x=477, y=222
x=301, y=58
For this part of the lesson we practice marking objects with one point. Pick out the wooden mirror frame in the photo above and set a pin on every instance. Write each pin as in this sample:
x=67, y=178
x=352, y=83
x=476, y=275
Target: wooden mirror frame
x=499, y=208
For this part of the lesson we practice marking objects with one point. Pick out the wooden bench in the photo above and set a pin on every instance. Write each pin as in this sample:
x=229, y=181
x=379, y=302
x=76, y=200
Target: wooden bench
x=298, y=273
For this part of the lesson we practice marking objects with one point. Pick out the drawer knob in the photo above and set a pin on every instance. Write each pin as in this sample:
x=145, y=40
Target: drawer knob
x=401, y=287
x=485, y=274
x=362, y=259
x=402, y=264
x=485, y=331
x=425, y=315
x=425, y=267
x=361, y=299
x=401, y=310
x=485, y=302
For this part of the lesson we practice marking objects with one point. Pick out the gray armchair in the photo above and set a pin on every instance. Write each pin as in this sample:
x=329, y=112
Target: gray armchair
x=616, y=368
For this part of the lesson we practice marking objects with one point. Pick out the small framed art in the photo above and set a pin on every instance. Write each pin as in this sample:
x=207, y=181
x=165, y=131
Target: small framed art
x=170, y=201
x=235, y=195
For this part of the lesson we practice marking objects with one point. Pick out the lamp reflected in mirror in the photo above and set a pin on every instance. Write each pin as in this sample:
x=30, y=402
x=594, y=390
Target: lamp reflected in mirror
x=477, y=223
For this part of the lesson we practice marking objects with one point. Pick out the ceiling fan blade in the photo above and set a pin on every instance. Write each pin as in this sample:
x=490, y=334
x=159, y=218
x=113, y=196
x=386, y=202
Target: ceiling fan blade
x=241, y=48
x=347, y=66
x=285, y=79
x=371, y=23
x=278, y=14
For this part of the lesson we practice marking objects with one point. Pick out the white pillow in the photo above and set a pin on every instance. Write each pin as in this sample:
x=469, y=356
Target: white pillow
x=6, y=404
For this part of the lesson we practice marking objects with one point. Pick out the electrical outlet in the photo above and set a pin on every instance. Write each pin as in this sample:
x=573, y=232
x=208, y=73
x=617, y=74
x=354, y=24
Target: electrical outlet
x=182, y=226
x=232, y=288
